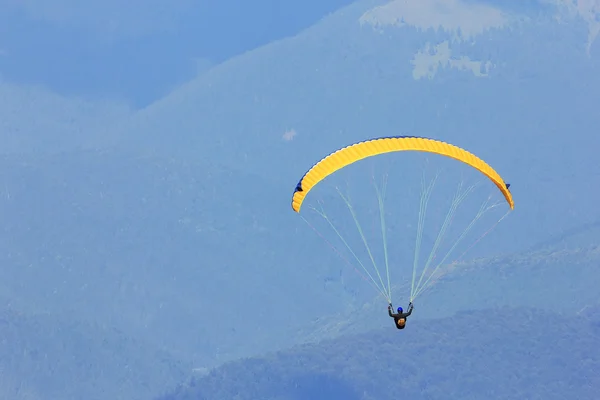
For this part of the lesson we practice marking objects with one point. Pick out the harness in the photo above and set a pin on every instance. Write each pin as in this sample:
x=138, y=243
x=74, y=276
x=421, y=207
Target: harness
x=400, y=323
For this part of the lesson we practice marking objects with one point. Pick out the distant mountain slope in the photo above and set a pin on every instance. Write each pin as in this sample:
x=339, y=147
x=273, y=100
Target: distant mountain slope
x=513, y=353
x=517, y=85
x=45, y=357
x=33, y=119
x=159, y=250
x=155, y=247
x=141, y=49
x=564, y=279
x=182, y=235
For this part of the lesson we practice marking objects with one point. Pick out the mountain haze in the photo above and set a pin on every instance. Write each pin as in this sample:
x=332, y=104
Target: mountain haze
x=37, y=120
x=518, y=89
x=141, y=51
x=479, y=354
x=153, y=243
x=40, y=352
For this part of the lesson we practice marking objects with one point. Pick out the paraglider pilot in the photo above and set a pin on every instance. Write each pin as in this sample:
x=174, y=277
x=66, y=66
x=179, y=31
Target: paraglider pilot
x=400, y=318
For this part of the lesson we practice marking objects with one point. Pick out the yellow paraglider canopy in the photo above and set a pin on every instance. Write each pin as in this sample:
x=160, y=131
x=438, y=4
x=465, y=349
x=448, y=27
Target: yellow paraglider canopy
x=358, y=151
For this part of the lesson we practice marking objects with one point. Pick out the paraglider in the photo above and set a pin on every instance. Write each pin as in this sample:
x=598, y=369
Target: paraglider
x=375, y=147
x=400, y=317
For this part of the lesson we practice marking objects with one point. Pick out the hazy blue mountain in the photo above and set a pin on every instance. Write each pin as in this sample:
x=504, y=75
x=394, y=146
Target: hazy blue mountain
x=137, y=243
x=561, y=278
x=45, y=356
x=133, y=244
x=34, y=119
x=492, y=354
x=174, y=225
x=518, y=87
x=141, y=51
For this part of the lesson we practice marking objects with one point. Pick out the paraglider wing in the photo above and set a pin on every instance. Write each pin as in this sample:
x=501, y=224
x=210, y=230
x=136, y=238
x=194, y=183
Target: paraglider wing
x=358, y=151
